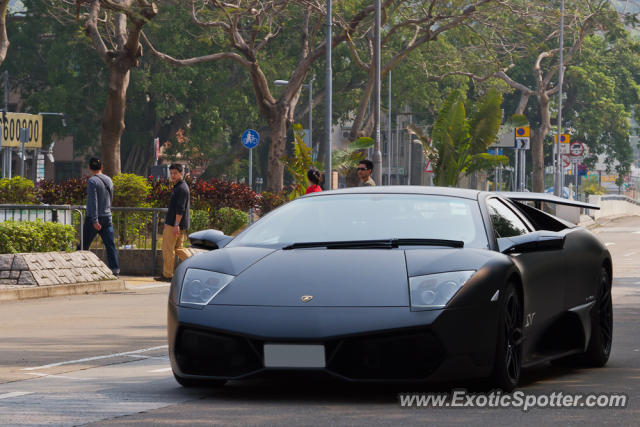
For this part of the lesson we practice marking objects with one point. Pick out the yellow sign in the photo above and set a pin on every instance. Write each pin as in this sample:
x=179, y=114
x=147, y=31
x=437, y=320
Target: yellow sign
x=13, y=122
x=523, y=132
x=565, y=138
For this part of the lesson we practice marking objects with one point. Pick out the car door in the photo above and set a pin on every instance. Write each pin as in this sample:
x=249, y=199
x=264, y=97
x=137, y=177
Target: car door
x=543, y=274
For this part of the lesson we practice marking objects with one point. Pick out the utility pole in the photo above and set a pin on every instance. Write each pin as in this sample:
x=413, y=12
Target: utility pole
x=328, y=95
x=557, y=182
x=377, y=154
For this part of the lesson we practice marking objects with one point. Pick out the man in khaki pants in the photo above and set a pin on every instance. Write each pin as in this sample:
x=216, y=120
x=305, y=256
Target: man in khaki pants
x=176, y=221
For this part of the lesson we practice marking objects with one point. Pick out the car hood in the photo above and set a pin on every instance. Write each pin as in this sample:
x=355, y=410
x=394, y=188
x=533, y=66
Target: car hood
x=333, y=278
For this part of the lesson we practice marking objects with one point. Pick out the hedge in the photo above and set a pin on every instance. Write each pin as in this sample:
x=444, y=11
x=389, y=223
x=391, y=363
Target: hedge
x=35, y=236
x=18, y=191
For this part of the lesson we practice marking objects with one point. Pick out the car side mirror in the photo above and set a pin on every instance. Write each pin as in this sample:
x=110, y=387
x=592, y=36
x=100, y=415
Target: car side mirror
x=532, y=242
x=209, y=239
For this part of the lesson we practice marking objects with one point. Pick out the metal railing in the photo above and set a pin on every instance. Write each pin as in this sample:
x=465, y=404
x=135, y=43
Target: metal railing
x=134, y=228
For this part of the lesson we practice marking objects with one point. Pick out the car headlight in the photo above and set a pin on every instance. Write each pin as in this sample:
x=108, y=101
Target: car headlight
x=201, y=286
x=434, y=291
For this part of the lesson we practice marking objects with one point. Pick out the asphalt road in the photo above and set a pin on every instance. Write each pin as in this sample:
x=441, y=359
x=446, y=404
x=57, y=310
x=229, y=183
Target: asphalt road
x=102, y=359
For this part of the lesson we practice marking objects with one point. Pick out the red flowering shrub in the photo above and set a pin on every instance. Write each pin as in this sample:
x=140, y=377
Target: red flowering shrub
x=268, y=201
x=69, y=192
x=215, y=194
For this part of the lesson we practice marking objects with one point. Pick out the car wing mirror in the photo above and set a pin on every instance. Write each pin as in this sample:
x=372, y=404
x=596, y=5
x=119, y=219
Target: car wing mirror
x=531, y=242
x=209, y=239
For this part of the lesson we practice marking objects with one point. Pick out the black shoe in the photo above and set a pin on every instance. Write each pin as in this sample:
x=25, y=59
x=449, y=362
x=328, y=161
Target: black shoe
x=162, y=279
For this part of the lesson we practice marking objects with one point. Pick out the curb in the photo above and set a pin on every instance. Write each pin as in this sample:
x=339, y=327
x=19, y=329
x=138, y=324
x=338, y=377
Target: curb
x=62, y=290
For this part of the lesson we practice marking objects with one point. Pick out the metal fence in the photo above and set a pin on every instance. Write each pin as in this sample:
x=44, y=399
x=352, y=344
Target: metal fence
x=134, y=228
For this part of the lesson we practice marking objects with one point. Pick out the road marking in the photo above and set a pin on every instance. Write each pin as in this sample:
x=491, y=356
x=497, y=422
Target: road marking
x=630, y=253
x=150, y=286
x=161, y=370
x=38, y=374
x=609, y=244
x=15, y=394
x=142, y=356
x=87, y=359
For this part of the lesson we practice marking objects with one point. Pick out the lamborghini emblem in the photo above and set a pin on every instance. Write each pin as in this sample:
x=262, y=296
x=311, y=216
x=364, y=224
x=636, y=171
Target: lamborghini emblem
x=306, y=298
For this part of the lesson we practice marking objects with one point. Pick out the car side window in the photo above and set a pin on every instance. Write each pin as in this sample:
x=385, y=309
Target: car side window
x=505, y=222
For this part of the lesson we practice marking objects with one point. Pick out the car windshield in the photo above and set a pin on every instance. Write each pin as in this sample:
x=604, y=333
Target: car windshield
x=350, y=217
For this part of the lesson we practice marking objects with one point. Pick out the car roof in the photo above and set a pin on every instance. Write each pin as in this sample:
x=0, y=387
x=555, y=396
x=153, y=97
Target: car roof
x=403, y=189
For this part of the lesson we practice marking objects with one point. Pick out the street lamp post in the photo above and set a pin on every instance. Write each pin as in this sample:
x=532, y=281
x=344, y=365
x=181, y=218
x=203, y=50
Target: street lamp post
x=50, y=152
x=310, y=87
x=328, y=90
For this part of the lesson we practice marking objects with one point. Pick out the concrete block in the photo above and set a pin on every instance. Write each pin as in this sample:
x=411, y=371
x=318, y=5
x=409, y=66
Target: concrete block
x=5, y=261
x=26, y=278
x=19, y=263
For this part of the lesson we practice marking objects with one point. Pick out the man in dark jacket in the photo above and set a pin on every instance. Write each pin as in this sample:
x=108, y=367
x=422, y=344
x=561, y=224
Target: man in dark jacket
x=176, y=223
x=98, y=221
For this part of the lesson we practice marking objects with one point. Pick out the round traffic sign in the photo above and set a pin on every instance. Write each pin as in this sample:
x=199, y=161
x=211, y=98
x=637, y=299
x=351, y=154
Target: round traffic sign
x=566, y=160
x=250, y=138
x=576, y=148
x=520, y=131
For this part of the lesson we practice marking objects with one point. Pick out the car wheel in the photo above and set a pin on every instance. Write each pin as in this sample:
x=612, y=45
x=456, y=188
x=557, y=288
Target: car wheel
x=599, y=348
x=508, y=361
x=199, y=383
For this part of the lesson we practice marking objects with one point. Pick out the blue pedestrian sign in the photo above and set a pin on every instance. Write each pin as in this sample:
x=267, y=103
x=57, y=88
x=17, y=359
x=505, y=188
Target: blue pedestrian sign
x=250, y=138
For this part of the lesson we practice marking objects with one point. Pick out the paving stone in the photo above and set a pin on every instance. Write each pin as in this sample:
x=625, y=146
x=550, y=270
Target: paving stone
x=14, y=274
x=8, y=282
x=26, y=278
x=4, y=274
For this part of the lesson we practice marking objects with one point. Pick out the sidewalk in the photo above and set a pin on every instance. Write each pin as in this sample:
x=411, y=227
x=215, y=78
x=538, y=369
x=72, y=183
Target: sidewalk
x=122, y=283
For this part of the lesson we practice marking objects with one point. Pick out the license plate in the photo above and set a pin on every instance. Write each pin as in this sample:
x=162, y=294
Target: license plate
x=294, y=356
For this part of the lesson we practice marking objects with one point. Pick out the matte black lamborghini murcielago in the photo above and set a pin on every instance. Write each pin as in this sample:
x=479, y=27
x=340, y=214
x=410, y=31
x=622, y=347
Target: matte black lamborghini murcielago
x=393, y=284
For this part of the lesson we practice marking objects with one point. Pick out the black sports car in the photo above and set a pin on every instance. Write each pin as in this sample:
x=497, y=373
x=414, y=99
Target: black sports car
x=393, y=284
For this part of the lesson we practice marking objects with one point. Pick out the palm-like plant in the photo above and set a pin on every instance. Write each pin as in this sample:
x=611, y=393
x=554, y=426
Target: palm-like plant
x=345, y=160
x=299, y=163
x=459, y=142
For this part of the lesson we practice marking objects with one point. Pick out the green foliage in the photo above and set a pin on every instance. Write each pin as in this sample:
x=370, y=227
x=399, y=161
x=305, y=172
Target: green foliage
x=17, y=190
x=35, y=236
x=299, y=163
x=130, y=190
x=229, y=220
x=460, y=142
x=199, y=220
x=590, y=186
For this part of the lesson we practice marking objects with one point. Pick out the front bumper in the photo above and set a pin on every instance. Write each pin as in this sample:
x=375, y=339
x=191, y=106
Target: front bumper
x=361, y=343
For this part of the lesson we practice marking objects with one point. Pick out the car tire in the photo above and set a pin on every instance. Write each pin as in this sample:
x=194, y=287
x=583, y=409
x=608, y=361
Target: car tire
x=599, y=348
x=508, y=359
x=199, y=383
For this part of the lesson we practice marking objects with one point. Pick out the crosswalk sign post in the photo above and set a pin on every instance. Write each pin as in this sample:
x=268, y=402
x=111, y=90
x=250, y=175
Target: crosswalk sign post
x=250, y=139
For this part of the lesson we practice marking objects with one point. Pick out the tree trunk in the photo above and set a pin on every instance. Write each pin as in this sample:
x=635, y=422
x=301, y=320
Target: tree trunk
x=113, y=118
x=537, y=143
x=4, y=39
x=537, y=160
x=277, y=148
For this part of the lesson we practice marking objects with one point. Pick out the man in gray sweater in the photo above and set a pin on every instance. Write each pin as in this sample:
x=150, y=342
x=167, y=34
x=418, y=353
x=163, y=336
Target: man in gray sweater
x=98, y=220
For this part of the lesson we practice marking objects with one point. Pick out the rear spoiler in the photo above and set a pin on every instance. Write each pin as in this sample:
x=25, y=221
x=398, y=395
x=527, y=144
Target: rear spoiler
x=544, y=197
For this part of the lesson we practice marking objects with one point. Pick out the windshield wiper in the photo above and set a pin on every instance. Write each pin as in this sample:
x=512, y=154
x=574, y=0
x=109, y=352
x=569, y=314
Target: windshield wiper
x=376, y=244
